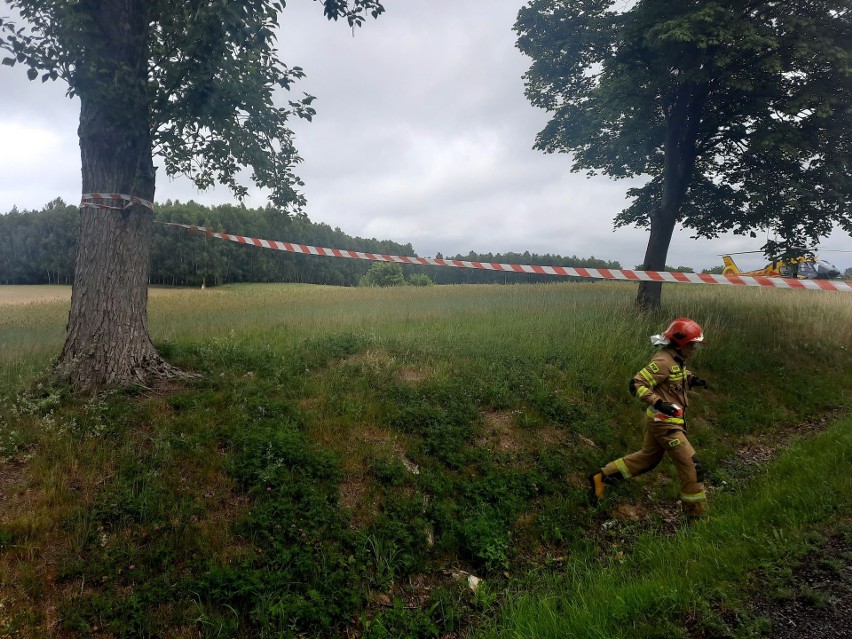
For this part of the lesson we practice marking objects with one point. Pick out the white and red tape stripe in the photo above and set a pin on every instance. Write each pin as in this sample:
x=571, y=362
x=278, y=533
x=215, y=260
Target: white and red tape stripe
x=86, y=202
x=561, y=271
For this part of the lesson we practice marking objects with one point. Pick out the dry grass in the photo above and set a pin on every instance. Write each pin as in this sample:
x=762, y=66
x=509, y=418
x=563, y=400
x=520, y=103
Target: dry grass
x=16, y=295
x=46, y=293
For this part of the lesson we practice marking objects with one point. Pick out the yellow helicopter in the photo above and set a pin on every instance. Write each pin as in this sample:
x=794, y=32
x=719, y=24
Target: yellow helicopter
x=804, y=268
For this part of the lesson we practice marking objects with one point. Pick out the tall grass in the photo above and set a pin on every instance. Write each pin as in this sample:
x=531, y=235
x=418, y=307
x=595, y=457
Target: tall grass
x=30, y=335
x=529, y=319
x=340, y=445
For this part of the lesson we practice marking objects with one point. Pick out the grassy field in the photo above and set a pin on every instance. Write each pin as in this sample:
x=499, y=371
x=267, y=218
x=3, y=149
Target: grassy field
x=345, y=458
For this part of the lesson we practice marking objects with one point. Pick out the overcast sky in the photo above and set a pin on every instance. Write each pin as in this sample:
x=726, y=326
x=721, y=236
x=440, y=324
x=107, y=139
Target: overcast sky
x=423, y=136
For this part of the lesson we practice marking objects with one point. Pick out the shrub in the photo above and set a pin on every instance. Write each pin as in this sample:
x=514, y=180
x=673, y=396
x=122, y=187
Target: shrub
x=383, y=274
x=420, y=279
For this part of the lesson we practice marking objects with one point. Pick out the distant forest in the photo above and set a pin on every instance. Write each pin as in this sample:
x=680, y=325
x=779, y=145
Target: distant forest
x=38, y=247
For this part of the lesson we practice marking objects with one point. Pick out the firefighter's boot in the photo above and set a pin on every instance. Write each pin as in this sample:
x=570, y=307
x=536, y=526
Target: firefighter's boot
x=598, y=483
x=596, y=486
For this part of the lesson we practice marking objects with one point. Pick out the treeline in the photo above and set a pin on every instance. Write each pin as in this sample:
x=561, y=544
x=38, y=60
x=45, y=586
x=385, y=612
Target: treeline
x=189, y=259
x=38, y=247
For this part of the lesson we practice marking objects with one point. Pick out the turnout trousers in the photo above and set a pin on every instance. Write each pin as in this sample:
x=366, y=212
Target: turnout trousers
x=661, y=439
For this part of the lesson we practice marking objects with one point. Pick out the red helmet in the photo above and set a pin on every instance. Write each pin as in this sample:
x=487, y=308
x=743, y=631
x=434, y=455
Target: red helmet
x=683, y=331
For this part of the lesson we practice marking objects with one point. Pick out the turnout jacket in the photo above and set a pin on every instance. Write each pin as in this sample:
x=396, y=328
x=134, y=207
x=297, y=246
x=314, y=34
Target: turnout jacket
x=665, y=378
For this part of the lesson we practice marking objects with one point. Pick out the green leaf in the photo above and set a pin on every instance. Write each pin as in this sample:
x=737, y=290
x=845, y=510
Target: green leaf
x=9, y=62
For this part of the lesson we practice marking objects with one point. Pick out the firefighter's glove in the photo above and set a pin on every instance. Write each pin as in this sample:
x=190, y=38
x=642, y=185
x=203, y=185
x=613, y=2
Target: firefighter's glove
x=697, y=382
x=672, y=410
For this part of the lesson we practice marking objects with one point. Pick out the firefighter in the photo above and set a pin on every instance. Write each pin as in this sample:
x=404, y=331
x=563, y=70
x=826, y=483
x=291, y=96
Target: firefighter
x=663, y=386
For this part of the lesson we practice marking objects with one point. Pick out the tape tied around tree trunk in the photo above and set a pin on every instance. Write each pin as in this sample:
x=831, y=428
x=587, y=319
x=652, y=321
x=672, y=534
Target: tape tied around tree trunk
x=130, y=199
x=531, y=269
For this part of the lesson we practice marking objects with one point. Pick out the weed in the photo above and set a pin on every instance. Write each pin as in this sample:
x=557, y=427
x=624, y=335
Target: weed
x=386, y=556
x=398, y=621
x=391, y=472
x=402, y=527
x=12, y=441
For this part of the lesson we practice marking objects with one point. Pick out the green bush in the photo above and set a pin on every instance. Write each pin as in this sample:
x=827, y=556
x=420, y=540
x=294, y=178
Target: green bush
x=420, y=279
x=383, y=274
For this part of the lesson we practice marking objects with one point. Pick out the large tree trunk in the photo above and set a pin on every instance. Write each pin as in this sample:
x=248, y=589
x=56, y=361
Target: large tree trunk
x=682, y=121
x=107, y=341
x=662, y=228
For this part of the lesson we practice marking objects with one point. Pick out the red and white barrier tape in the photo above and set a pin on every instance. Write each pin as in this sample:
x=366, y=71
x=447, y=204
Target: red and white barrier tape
x=130, y=199
x=535, y=269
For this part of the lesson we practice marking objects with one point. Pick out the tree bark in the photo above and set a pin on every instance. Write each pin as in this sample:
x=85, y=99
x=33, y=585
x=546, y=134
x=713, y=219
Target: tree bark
x=682, y=121
x=107, y=342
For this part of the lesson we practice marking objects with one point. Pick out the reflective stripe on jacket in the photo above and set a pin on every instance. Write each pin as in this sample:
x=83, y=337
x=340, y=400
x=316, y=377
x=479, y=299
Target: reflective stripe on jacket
x=666, y=379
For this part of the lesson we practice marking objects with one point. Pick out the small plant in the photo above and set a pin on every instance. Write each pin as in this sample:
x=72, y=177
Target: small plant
x=11, y=440
x=485, y=596
x=386, y=556
x=391, y=472
x=487, y=538
x=399, y=621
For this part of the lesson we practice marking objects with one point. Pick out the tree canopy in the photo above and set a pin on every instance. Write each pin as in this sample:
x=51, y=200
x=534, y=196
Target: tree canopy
x=737, y=112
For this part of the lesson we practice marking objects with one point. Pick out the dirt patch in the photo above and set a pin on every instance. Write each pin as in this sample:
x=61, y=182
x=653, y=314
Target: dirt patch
x=628, y=520
x=368, y=360
x=13, y=488
x=760, y=449
x=376, y=360
x=630, y=511
x=412, y=375
x=499, y=433
x=376, y=438
x=380, y=360
x=358, y=490
x=358, y=498
x=549, y=437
